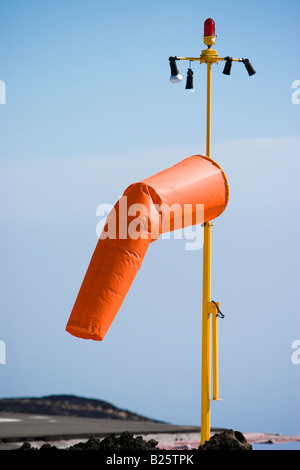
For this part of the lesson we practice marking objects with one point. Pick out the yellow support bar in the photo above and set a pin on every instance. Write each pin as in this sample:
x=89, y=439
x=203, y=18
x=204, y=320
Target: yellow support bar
x=188, y=58
x=213, y=310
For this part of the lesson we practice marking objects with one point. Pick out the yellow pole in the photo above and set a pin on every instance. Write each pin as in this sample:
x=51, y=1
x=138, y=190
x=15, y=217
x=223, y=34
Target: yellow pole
x=205, y=380
x=209, y=56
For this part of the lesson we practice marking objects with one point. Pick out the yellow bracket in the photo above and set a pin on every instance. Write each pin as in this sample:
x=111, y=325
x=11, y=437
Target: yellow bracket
x=213, y=310
x=209, y=56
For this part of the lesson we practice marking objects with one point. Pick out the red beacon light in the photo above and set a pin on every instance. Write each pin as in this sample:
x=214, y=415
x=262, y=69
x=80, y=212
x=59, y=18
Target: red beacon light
x=209, y=27
x=209, y=32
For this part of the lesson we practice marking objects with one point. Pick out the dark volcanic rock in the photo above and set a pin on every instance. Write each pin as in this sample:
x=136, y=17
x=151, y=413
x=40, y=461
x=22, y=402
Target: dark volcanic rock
x=227, y=440
x=112, y=442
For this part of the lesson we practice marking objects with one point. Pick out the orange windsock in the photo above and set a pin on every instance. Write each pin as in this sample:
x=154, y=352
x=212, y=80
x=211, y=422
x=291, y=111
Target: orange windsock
x=193, y=191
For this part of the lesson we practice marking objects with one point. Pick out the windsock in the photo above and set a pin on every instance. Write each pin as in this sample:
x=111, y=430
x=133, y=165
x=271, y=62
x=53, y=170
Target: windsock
x=193, y=191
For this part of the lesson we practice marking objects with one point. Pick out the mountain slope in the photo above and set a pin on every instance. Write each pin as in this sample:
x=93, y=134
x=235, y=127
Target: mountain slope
x=68, y=405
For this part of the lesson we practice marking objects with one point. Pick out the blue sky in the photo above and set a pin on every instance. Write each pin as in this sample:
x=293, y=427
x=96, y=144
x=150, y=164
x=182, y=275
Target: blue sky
x=89, y=110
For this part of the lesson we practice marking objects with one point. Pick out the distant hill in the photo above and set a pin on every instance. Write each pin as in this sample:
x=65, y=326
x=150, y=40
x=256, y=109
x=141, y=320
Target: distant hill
x=68, y=405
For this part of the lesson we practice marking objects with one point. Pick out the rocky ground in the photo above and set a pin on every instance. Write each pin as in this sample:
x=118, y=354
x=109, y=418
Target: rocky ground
x=226, y=440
